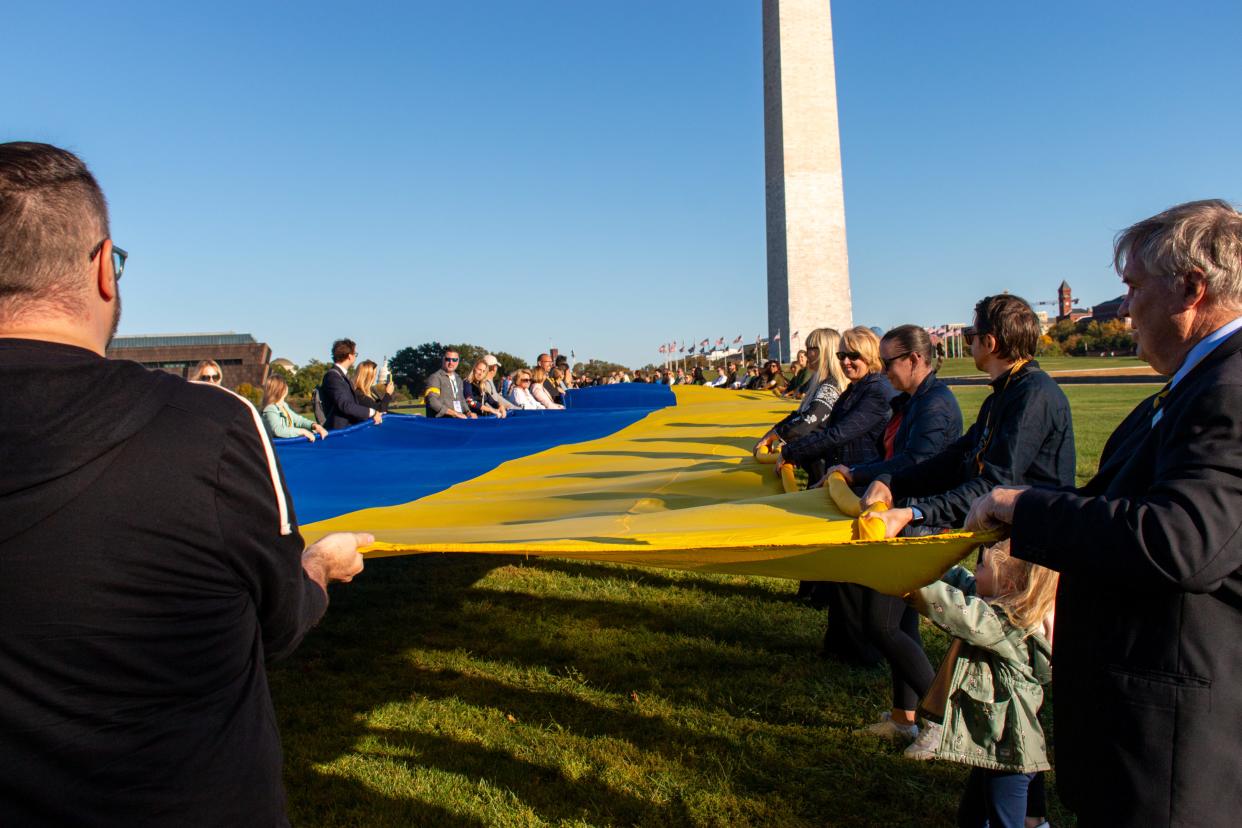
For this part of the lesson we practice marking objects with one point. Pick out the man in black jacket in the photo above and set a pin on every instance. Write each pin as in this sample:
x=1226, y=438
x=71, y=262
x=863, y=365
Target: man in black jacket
x=151, y=558
x=340, y=408
x=1147, y=676
x=1024, y=433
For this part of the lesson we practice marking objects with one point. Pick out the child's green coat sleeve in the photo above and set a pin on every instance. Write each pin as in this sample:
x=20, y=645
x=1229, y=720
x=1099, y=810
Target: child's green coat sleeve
x=948, y=604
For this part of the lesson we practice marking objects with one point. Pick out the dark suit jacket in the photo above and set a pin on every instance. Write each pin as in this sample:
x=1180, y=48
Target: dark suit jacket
x=1147, y=675
x=340, y=409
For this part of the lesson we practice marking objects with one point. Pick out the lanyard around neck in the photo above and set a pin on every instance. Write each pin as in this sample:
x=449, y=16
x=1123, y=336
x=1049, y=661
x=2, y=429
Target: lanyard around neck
x=987, y=424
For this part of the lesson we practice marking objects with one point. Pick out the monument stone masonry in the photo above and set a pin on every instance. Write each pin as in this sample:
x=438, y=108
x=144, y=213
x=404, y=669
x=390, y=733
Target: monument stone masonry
x=808, y=268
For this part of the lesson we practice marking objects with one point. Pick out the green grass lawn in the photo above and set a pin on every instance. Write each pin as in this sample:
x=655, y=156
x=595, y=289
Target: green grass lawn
x=965, y=367
x=477, y=690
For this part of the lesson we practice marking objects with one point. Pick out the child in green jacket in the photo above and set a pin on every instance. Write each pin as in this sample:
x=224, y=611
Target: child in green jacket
x=989, y=690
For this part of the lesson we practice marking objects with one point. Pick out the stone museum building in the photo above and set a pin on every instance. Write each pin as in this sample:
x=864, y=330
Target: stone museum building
x=241, y=357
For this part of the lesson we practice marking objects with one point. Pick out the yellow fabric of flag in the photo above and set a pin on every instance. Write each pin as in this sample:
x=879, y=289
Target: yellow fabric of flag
x=678, y=489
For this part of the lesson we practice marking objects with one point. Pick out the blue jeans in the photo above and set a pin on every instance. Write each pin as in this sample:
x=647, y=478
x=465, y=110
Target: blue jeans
x=994, y=799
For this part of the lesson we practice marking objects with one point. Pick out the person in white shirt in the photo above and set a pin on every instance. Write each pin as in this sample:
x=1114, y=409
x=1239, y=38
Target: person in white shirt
x=520, y=394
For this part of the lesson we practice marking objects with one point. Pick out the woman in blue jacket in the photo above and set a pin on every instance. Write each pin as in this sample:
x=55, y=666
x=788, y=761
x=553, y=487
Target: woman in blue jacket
x=925, y=420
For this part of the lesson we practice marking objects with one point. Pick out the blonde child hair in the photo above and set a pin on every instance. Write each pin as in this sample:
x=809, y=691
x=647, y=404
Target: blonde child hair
x=1026, y=591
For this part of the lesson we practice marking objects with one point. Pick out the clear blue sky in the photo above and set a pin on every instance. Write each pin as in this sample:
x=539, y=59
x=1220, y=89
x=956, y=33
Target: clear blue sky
x=590, y=174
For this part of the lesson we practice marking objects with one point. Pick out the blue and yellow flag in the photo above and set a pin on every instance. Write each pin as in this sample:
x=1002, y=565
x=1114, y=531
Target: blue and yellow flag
x=634, y=474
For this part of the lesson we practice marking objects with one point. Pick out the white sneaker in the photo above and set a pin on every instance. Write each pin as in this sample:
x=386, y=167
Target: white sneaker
x=928, y=742
x=886, y=728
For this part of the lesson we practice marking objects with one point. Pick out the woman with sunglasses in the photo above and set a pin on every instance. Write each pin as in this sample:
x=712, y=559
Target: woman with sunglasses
x=926, y=419
x=852, y=433
x=207, y=371
x=520, y=394
x=364, y=387
x=772, y=378
x=851, y=436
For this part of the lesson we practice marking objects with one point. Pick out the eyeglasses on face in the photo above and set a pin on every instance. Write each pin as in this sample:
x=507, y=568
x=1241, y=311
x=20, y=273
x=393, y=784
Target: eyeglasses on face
x=210, y=377
x=452, y=359
x=118, y=258
x=853, y=355
x=523, y=379
x=970, y=333
x=890, y=361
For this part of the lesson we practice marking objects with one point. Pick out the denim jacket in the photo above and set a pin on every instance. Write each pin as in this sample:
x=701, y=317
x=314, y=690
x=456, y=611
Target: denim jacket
x=991, y=719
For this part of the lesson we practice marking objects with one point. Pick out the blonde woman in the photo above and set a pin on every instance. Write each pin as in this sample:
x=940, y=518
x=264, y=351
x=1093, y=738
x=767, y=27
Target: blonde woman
x=479, y=400
x=364, y=387
x=539, y=389
x=282, y=421
x=207, y=371
x=853, y=433
x=520, y=394
x=827, y=382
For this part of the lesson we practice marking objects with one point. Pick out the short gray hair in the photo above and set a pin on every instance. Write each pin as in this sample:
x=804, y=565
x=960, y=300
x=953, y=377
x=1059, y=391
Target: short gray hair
x=1203, y=236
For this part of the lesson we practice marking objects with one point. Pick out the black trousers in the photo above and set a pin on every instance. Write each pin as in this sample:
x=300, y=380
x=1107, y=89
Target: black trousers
x=892, y=627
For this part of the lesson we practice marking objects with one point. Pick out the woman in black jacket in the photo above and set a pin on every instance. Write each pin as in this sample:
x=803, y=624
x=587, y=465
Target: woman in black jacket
x=925, y=420
x=852, y=434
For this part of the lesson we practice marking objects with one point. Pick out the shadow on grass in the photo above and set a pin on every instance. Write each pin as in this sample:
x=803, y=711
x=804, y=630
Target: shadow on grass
x=545, y=790
x=736, y=702
x=649, y=578
x=341, y=801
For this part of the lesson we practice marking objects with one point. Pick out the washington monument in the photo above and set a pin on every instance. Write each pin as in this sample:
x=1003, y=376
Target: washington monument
x=808, y=268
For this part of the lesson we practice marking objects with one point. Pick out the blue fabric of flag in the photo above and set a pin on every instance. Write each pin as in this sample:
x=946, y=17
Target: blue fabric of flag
x=408, y=457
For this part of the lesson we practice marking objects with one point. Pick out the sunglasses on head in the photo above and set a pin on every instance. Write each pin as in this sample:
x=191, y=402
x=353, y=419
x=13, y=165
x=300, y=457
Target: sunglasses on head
x=844, y=355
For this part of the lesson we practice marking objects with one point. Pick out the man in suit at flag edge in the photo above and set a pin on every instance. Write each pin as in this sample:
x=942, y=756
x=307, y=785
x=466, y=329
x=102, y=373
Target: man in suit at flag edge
x=1147, y=665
